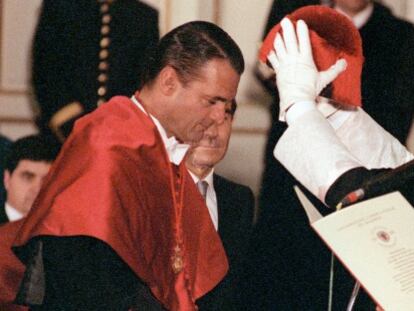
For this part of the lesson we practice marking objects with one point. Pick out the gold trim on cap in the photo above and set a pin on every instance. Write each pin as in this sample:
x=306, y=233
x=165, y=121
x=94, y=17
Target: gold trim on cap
x=62, y=116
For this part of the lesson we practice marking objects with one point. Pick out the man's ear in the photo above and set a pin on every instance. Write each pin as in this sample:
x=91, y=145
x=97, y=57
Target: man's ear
x=168, y=80
x=6, y=179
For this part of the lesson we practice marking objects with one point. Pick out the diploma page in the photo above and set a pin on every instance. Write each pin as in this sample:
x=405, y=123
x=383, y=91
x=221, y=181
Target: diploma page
x=375, y=241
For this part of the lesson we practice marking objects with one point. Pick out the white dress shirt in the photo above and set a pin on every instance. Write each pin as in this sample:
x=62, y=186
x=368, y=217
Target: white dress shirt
x=12, y=213
x=176, y=152
x=211, y=197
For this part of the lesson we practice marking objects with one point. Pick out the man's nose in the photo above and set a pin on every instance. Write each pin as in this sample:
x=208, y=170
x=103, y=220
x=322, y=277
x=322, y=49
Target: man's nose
x=211, y=132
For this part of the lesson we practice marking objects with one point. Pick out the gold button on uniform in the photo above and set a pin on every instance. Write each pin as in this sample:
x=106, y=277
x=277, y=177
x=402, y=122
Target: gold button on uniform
x=106, y=19
x=103, y=65
x=102, y=77
x=105, y=29
x=100, y=101
x=105, y=42
x=103, y=54
x=104, y=8
x=102, y=91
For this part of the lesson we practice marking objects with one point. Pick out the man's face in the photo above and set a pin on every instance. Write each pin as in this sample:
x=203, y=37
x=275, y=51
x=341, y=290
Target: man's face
x=352, y=7
x=201, y=103
x=24, y=183
x=212, y=148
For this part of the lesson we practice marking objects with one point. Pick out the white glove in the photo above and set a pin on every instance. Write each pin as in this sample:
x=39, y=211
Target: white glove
x=311, y=151
x=297, y=77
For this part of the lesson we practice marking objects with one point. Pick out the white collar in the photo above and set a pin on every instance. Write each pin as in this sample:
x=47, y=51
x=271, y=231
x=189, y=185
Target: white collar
x=208, y=179
x=12, y=213
x=175, y=150
x=361, y=18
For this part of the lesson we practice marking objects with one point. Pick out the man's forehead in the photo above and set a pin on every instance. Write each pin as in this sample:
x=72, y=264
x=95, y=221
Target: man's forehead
x=32, y=165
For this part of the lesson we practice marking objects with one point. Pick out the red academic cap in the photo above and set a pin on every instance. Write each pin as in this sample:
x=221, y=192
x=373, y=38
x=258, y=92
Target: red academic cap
x=333, y=36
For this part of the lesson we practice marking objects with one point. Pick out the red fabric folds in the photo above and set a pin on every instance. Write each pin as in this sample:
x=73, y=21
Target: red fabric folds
x=111, y=181
x=11, y=269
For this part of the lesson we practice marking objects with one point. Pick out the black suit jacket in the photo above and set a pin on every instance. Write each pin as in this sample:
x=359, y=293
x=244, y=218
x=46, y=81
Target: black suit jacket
x=235, y=205
x=83, y=273
x=3, y=216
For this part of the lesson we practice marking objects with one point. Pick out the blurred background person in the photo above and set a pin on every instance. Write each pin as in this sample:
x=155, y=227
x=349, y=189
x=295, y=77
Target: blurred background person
x=26, y=165
x=231, y=207
x=85, y=52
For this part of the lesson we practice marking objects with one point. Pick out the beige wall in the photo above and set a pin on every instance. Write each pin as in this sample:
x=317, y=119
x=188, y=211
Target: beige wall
x=243, y=19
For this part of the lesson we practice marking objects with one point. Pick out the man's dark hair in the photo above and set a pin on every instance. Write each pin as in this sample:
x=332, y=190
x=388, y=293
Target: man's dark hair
x=33, y=148
x=233, y=108
x=190, y=46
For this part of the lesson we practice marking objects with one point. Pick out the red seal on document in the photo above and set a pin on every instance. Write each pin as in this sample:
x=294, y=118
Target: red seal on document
x=384, y=236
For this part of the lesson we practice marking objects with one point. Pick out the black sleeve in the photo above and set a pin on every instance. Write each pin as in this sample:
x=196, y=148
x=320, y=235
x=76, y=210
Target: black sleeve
x=355, y=178
x=82, y=273
x=52, y=65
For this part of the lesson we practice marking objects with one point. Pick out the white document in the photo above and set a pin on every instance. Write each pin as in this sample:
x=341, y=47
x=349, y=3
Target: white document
x=375, y=241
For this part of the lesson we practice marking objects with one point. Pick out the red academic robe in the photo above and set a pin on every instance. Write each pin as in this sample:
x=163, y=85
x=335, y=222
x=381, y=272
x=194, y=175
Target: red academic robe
x=11, y=269
x=113, y=181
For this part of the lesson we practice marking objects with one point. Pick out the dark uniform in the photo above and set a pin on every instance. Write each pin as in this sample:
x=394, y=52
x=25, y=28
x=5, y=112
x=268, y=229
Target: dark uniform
x=85, y=52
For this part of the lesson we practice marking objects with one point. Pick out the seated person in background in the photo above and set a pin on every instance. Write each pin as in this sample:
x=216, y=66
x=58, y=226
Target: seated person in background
x=4, y=147
x=231, y=209
x=27, y=163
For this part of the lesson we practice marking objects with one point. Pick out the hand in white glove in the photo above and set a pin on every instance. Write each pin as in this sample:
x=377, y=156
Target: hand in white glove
x=297, y=77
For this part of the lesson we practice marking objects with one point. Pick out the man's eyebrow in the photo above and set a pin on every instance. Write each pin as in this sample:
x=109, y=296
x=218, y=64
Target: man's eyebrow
x=27, y=173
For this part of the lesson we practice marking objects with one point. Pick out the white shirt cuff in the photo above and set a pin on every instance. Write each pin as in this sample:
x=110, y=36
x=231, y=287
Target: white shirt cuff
x=298, y=109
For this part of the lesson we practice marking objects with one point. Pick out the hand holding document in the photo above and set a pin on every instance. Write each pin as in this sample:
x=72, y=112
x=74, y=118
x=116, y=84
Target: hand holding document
x=375, y=241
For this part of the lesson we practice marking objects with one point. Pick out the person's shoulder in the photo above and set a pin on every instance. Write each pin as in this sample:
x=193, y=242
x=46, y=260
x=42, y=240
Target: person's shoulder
x=227, y=183
x=388, y=19
x=118, y=122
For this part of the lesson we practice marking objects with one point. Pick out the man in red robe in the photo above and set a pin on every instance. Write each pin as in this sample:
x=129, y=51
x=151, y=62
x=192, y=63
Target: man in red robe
x=119, y=223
